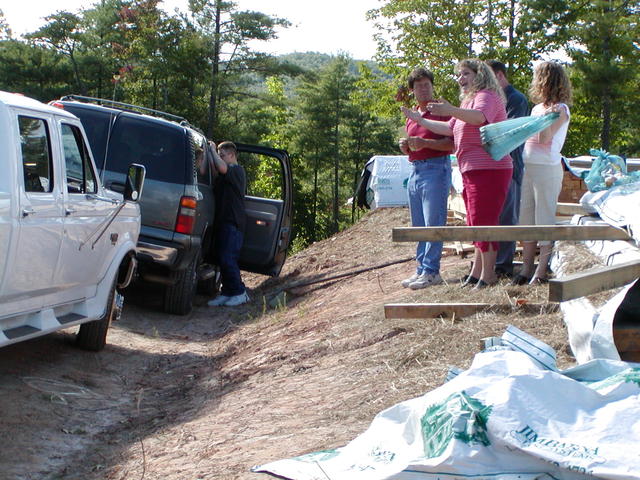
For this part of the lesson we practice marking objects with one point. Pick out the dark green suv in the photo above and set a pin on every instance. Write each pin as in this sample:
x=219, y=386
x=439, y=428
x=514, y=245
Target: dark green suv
x=175, y=244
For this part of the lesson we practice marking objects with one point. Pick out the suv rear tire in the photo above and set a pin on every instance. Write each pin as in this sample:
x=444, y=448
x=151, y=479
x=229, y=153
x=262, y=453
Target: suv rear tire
x=178, y=297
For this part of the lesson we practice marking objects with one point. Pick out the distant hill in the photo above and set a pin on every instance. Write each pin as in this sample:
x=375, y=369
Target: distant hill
x=307, y=61
x=315, y=61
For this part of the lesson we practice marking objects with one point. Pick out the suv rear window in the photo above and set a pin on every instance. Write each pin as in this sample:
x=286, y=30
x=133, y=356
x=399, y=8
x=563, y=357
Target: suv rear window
x=160, y=148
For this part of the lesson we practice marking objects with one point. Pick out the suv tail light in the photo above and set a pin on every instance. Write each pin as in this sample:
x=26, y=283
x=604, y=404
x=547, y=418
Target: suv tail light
x=186, y=215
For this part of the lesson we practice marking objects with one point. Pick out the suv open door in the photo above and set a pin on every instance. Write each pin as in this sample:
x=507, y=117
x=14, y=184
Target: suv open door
x=268, y=206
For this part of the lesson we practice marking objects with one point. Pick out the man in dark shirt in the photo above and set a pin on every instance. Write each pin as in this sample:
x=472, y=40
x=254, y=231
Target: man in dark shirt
x=517, y=106
x=229, y=189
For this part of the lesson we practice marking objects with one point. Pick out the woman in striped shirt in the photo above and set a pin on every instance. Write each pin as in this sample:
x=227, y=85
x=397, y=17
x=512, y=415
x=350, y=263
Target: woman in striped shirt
x=485, y=181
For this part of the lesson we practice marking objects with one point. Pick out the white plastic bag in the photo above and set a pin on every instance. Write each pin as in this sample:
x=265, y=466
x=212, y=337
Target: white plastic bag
x=506, y=417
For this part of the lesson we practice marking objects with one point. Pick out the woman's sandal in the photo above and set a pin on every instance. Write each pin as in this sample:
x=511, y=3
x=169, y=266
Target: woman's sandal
x=483, y=284
x=538, y=281
x=520, y=280
x=469, y=280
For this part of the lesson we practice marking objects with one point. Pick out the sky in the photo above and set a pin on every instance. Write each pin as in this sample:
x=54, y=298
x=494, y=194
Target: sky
x=316, y=26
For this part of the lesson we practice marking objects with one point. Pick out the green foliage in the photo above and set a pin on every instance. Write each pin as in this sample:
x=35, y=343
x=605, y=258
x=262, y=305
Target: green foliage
x=34, y=71
x=330, y=113
x=599, y=36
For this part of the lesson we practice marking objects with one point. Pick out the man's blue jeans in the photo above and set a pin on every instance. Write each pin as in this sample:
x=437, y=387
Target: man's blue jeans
x=428, y=190
x=228, y=244
x=509, y=216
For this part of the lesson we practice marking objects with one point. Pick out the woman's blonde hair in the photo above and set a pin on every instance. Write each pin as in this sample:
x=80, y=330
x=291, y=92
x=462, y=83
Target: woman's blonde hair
x=485, y=79
x=550, y=84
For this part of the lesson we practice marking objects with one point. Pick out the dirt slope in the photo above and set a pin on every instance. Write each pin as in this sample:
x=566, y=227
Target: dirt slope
x=209, y=395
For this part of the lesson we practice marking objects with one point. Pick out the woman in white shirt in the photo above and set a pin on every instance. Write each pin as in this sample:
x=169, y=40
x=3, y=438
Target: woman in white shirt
x=551, y=91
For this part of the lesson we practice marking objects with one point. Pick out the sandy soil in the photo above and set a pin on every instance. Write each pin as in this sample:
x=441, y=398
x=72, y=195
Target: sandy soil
x=209, y=395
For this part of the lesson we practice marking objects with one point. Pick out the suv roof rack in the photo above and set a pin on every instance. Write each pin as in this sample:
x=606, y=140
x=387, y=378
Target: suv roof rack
x=128, y=107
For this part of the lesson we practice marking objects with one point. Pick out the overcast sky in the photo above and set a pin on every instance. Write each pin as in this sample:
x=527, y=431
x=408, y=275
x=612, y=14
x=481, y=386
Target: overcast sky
x=327, y=26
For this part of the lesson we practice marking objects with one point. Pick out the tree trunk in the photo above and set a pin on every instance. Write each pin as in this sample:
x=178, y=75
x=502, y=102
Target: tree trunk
x=76, y=73
x=512, y=21
x=336, y=163
x=490, y=26
x=212, y=114
x=336, y=181
x=470, y=5
x=356, y=170
x=315, y=197
x=510, y=36
x=605, y=134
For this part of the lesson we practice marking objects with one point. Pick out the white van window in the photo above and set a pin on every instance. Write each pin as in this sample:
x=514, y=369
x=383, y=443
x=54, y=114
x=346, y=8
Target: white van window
x=35, y=144
x=80, y=175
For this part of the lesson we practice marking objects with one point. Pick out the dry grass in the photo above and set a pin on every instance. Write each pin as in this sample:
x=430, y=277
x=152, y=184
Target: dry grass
x=209, y=395
x=311, y=374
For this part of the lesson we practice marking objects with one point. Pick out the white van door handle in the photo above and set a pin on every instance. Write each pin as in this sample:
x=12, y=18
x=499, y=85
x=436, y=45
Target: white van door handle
x=28, y=211
x=68, y=211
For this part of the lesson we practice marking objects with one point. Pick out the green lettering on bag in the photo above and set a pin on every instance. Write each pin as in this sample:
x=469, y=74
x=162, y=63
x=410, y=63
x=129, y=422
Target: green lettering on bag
x=460, y=417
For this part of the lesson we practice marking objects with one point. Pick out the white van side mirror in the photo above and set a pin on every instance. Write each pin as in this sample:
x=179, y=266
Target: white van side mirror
x=134, y=182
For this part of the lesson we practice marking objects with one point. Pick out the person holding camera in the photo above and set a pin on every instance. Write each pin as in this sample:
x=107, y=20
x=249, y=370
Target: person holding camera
x=230, y=219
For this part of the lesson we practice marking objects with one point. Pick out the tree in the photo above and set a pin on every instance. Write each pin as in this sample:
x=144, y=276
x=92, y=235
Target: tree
x=335, y=130
x=437, y=34
x=229, y=32
x=366, y=132
x=103, y=41
x=38, y=72
x=600, y=36
x=326, y=106
x=607, y=57
x=63, y=32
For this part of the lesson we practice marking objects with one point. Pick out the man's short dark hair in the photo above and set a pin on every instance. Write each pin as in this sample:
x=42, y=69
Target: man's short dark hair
x=497, y=66
x=418, y=74
x=228, y=146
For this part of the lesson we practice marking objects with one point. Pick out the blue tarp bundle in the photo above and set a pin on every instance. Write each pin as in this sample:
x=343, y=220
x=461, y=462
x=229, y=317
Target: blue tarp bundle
x=498, y=139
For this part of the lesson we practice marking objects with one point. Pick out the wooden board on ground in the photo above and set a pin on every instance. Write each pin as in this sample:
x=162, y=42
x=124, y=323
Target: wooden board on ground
x=592, y=281
x=508, y=233
x=458, y=248
x=434, y=310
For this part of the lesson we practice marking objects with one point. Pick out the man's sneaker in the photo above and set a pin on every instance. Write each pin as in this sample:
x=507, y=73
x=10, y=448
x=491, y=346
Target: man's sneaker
x=218, y=301
x=425, y=280
x=408, y=281
x=237, y=300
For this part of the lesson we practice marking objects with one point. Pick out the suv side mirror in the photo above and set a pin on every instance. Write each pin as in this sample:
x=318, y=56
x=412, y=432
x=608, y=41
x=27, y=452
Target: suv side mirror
x=134, y=182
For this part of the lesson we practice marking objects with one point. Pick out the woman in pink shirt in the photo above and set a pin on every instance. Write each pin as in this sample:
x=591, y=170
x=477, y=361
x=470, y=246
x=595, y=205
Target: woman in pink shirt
x=485, y=181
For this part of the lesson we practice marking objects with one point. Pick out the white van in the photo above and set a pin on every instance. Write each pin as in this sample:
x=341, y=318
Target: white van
x=67, y=244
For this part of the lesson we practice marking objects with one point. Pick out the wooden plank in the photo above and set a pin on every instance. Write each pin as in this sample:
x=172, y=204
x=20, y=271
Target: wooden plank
x=569, y=209
x=458, y=248
x=508, y=233
x=434, y=310
x=592, y=281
